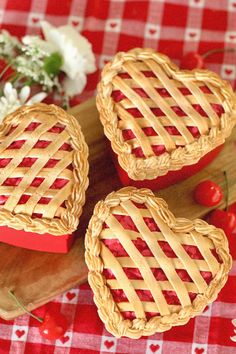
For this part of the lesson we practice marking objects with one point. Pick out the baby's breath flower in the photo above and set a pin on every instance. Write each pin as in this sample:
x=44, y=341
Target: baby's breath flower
x=30, y=63
x=8, y=44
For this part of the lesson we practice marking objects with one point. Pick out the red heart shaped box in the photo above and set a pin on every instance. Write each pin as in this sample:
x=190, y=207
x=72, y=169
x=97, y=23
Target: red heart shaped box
x=170, y=178
x=30, y=240
x=164, y=124
x=43, y=178
x=33, y=241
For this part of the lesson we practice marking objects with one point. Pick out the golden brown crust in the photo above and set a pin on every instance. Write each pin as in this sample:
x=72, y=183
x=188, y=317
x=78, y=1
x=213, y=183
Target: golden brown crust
x=152, y=166
x=57, y=220
x=108, y=309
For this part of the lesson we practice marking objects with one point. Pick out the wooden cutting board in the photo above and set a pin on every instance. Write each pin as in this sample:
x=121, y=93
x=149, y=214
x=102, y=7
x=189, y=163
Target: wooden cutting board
x=38, y=277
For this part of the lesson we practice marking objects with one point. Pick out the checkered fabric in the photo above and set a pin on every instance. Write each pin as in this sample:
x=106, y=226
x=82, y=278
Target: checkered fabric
x=174, y=28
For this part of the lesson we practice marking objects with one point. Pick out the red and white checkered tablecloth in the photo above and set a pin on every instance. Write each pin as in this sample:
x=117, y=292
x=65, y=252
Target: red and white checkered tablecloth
x=174, y=28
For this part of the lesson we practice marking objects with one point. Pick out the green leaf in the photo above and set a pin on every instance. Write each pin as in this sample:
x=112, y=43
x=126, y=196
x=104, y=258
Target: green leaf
x=53, y=63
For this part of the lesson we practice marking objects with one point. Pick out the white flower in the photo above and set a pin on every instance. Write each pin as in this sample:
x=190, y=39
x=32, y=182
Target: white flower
x=75, y=50
x=11, y=100
x=74, y=86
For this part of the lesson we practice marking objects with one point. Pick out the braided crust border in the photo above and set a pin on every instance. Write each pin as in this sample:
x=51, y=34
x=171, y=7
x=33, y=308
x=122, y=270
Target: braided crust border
x=154, y=166
x=70, y=218
x=107, y=308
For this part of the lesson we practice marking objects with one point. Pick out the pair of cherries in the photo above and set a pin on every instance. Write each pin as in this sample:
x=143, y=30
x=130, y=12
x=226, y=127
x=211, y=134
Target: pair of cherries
x=210, y=194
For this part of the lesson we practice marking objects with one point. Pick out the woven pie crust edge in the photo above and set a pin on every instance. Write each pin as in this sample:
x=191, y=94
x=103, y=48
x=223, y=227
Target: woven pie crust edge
x=70, y=218
x=155, y=166
x=107, y=308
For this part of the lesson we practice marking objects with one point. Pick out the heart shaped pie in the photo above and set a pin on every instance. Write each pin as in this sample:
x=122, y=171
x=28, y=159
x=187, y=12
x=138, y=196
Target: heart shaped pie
x=148, y=270
x=160, y=118
x=43, y=177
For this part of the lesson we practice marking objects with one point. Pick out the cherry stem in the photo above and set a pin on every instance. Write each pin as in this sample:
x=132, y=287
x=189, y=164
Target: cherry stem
x=227, y=191
x=219, y=50
x=19, y=304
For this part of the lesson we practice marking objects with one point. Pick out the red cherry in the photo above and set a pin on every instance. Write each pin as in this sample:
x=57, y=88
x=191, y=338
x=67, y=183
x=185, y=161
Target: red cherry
x=54, y=326
x=208, y=193
x=232, y=208
x=192, y=60
x=225, y=220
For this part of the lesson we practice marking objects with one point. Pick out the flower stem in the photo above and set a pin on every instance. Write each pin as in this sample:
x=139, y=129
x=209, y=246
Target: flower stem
x=28, y=81
x=218, y=50
x=16, y=78
x=19, y=304
x=6, y=68
x=227, y=191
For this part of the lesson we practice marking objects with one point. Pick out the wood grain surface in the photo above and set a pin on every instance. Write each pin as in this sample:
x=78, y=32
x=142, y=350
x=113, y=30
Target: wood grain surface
x=37, y=277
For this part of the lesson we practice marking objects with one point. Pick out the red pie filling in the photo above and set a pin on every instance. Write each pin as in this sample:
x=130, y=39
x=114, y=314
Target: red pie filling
x=28, y=162
x=128, y=134
x=134, y=274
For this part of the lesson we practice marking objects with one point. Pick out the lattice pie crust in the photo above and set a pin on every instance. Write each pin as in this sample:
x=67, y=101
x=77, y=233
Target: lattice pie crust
x=160, y=118
x=43, y=170
x=148, y=270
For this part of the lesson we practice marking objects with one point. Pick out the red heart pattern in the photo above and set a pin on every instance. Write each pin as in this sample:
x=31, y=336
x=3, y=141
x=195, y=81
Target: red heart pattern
x=75, y=23
x=35, y=19
x=70, y=296
x=199, y=350
x=154, y=347
x=152, y=31
x=199, y=3
x=64, y=339
x=20, y=333
x=113, y=24
x=108, y=344
x=228, y=71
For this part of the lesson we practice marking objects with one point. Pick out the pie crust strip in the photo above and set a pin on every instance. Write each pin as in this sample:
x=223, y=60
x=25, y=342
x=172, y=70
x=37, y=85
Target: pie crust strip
x=141, y=264
x=160, y=102
x=165, y=262
x=183, y=102
x=145, y=110
x=121, y=278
